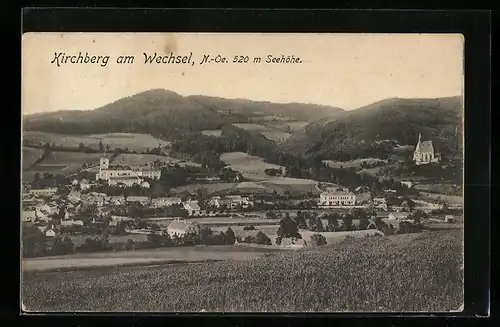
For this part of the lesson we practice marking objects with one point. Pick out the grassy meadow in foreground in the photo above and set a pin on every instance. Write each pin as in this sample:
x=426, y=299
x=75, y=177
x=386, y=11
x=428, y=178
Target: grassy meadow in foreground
x=401, y=273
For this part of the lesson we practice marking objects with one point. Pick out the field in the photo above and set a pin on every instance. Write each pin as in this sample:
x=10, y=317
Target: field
x=211, y=188
x=436, y=188
x=140, y=257
x=269, y=133
x=250, y=166
x=61, y=163
x=212, y=132
x=450, y=199
x=285, y=125
x=132, y=141
x=348, y=164
x=401, y=273
x=143, y=159
x=292, y=185
x=30, y=155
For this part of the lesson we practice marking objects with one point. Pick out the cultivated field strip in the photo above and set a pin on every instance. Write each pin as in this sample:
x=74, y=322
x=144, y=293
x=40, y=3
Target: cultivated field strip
x=403, y=273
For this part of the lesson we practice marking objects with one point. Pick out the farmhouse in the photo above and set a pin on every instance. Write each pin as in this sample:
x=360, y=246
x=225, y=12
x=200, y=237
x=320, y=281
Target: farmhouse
x=337, y=198
x=398, y=215
x=192, y=208
x=424, y=152
x=108, y=172
x=44, y=191
x=449, y=219
x=182, y=227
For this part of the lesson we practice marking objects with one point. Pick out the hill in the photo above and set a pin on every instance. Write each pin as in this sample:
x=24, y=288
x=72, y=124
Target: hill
x=167, y=114
x=350, y=276
x=397, y=120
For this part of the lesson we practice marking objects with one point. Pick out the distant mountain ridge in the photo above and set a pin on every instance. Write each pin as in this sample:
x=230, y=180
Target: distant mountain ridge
x=159, y=111
x=396, y=119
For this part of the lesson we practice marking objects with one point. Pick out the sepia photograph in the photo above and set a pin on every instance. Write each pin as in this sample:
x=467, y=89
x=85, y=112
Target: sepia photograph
x=242, y=172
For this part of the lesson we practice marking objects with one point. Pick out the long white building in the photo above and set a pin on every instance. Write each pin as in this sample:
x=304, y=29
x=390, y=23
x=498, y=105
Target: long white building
x=337, y=198
x=124, y=175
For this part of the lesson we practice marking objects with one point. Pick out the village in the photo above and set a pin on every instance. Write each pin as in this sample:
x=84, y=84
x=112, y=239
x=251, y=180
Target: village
x=84, y=210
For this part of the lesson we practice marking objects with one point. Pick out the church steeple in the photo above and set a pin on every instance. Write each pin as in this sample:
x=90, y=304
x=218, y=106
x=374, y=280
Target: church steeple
x=419, y=137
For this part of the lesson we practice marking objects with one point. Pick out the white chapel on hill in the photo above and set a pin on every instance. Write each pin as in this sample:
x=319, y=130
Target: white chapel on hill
x=424, y=152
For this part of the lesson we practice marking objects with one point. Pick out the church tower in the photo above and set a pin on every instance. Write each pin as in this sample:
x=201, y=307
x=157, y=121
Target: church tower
x=104, y=163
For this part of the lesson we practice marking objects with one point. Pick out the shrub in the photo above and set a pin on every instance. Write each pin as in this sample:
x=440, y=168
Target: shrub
x=318, y=240
x=229, y=238
x=262, y=238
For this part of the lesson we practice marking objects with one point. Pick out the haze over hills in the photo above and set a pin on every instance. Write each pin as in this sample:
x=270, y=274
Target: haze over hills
x=397, y=119
x=164, y=112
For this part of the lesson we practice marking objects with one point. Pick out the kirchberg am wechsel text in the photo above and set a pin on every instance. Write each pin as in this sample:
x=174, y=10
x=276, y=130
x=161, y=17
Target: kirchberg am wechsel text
x=61, y=58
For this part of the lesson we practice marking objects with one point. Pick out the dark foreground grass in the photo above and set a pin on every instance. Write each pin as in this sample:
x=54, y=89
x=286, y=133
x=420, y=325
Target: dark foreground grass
x=413, y=272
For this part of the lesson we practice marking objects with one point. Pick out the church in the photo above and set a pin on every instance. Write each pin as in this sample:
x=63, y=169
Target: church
x=424, y=152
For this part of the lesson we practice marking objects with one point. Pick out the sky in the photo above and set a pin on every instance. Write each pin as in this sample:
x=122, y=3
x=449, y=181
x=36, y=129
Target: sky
x=342, y=70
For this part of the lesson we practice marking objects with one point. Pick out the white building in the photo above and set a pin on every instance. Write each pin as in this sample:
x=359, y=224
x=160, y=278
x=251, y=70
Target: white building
x=337, y=198
x=44, y=191
x=182, y=227
x=424, y=152
x=237, y=200
x=124, y=180
x=50, y=233
x=165, y=202
x=192, y=208
x=69, y=223
x=107, y=172
x=28, y=215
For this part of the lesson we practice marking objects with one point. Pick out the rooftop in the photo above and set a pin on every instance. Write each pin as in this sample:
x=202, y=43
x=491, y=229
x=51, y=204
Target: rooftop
x=425, y=146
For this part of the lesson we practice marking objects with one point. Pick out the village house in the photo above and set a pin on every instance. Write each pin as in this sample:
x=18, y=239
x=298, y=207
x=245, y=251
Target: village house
x=217, y=201
x=74, y=196
x=165, y=202
x=117, y=200
x=28, y=216
x=449, y=219
x=70, y=223
x=236, y=200
x=44, y=191
x=192, y=207
x=144, y=200
x=407, y=184
x=182, y=227
x=338, y=197
x=424, y=152
x=115, y=220
x=85, y=185
x=145, y=185
x=50, y=232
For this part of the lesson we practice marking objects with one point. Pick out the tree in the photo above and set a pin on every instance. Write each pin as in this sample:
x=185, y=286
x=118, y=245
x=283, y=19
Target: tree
x=318, y=240
x=230, y=238
x=347, y=225
x=33, y=242
x=288, y=228
x=62, y=245
x=107, y=148
x=81, y=147
x=262, y=238
x=101, y=146
x=130, y=245
x=315, y=224
x=363, y=224
x=333, y=224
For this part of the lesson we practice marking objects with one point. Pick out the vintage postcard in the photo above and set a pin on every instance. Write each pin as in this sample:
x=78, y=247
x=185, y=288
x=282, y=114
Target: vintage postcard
x=226, y=172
